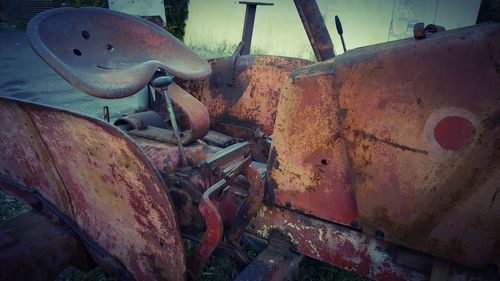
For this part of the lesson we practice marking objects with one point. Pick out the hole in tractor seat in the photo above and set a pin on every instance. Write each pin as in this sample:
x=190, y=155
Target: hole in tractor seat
x=324, y=162
x=85, y=34
x=77, y=52
x=109, y=47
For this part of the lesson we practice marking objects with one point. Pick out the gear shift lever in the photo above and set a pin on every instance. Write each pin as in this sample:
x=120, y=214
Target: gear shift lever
x=162, y=82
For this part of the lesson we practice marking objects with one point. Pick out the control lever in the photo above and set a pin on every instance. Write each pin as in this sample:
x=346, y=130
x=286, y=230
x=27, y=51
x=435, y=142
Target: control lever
x=162, y=82
x=105, y=113
x=340, y=31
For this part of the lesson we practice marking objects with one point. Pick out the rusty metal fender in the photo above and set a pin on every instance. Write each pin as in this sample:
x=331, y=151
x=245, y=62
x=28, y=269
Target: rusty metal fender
x=99, y=178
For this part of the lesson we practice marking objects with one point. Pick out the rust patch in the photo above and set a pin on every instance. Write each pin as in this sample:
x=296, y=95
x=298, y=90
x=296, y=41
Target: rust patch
x=117, y=197
x=253, y=98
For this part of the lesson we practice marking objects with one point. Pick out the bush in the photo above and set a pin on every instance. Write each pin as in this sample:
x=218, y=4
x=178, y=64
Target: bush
x=176, y=13
x=81, y=3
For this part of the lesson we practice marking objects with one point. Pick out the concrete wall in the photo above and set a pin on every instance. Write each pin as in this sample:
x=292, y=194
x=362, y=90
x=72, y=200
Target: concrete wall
x=278, y=30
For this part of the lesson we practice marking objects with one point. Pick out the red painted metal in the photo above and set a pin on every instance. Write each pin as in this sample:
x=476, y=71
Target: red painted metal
x=350, y=249
x=165, y=156
x=399, y=140
x=194, y=125
x=112, y=62
x=100, y=179
x=212, y=215
x=248, y=210
x=213, y=228
x=309, y=167
x=454, y=132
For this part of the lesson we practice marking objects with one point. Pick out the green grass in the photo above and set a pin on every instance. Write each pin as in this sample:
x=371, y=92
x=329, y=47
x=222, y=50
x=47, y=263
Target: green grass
x=218, y=269
x=224, y=49
x=223, y=269
x=75, y=274
x=310, y=269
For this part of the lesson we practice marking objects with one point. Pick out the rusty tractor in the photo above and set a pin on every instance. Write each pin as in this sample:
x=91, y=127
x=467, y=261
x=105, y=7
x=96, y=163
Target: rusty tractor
x=383, y=160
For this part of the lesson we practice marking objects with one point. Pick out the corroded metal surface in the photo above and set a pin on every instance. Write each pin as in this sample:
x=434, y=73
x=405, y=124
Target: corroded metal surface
x=408, y=128
x=214, y=228
x=100, y=179
x=111, y=62
x=350, y=249
x=249, y=208
x=165, y=156
x=424, y=147
x=195, y=123
x=253, y=98
x=316, y=30
x=308, y=161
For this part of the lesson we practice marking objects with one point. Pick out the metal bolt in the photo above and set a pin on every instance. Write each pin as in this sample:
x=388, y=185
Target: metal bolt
x=379, y=234
x=216, y=171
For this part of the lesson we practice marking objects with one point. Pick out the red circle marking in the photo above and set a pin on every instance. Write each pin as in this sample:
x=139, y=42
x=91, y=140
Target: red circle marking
x=454, y=132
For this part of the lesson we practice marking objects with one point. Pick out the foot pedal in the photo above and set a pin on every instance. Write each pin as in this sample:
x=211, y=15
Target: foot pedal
x=218, y=139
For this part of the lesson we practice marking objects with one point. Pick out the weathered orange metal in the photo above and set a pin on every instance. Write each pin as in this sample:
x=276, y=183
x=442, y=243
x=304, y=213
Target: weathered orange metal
x=399, y=140
x=112, y=62
x=384, y=159
x=350, y=249
x=251, y=101
x=195, y=116
x=309, y=164
x=100, y=179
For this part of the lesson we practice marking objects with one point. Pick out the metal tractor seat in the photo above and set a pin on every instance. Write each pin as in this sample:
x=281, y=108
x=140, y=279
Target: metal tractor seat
x=110, y=54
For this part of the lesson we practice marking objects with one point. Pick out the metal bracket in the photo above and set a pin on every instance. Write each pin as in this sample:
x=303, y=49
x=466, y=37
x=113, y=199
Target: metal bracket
x=276, y=262
x=213, y=219
x=234, y=58
x=248, y=25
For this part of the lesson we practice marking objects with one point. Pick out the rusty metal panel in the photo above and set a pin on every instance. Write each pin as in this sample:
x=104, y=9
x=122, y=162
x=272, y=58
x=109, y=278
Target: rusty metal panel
x=25, y=159
x=112, y=62
x=338, y=245
x=165, y=157
x=424, y=141
x=308, y=159
x=252, y=99
x=350, y=249
x=195, y=119
x=112, y=191
x=419, y=123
